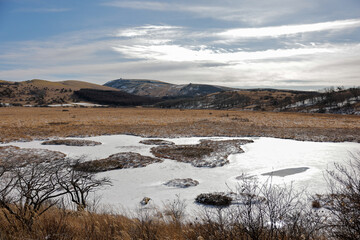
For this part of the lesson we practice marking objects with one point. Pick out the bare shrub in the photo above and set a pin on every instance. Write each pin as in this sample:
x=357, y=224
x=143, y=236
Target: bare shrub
x=78, y=184
x=27, y=192
x=32, y=190
x=175, y=209
x=269, y=211
x=147, y=224
x=344, y=204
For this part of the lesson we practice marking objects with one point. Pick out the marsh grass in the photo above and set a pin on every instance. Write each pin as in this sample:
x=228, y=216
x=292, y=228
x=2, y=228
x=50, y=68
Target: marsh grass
x=21, y=123
x=279, y=214
x=117, y=161
x=71, y=142
x=61, y=224
x=207, y=153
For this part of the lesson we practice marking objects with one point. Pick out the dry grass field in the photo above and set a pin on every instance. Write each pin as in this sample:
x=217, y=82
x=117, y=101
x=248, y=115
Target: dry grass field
x=60, y=224
x=21, y=123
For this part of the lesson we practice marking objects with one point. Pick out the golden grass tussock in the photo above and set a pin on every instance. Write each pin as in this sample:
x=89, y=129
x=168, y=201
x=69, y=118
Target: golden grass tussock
x=63, y=224
x=21, y=123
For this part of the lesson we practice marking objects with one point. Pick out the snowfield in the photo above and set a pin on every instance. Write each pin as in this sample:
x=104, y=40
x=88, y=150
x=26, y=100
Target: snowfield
x=264, y=155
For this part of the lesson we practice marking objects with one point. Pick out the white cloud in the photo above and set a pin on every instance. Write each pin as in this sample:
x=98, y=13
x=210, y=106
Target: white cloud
x=148, y=31
x=178, y=53
x=277, y=31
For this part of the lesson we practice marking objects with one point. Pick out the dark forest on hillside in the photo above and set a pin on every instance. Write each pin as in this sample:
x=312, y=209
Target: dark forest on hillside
x=114, y=98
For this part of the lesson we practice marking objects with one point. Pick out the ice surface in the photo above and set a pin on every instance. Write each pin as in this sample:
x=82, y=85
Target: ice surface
x=286, y=172
x=265, y=155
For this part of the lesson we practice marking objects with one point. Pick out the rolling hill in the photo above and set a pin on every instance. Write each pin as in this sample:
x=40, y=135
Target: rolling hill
x=153, y=88
x=344, y=101
x=141, y=92
x=76, y=85
x=252, y=99
x=43, y=92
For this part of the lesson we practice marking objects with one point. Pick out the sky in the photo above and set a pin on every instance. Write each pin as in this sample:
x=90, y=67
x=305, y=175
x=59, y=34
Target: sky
x=307, y=44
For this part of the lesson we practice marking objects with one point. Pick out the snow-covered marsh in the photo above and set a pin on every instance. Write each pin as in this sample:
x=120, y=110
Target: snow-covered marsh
x=264, y=155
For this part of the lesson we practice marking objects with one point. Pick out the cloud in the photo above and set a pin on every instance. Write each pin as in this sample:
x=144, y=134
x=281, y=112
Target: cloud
x=276, y=31
x=238, y=11
x=338, y=67
x=178, y=53
x=181, y=55
x=145, y=30
x=253, y=12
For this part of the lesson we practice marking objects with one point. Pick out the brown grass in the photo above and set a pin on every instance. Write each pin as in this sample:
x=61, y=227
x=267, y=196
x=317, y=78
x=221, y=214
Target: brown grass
x=21, y=156
x=59, y=224
x=183, y=153
x=117, y=161
x=20, y=123
x=205, y=154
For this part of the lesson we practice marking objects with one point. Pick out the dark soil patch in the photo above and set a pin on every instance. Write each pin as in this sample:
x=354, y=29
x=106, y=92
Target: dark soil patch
x=214, y=199
x=207, y=153
x=156, y=142
x=71, y=142
x=117, y=161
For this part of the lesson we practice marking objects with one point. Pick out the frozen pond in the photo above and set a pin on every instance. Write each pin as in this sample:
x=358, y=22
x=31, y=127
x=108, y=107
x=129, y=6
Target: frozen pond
x=302, y=163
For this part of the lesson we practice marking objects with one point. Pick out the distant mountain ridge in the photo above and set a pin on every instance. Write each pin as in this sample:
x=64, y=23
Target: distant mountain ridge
x=159, y=89
x=152, y=93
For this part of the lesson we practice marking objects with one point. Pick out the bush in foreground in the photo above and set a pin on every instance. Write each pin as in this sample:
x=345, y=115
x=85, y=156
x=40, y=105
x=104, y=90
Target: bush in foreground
x=264, y=211
x=344, y=200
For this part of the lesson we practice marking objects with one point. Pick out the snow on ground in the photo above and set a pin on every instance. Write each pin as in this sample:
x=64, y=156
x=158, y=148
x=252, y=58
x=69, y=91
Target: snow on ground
x=77, y=104
x=130, y=186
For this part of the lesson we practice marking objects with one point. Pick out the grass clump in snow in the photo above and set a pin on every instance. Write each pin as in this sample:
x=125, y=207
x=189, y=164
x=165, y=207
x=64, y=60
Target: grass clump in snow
x=156, y=142
x=207, y=153
x=215, y=199
x=182, y=183
x=71, y=142
x=23, y=156
x=117, y=161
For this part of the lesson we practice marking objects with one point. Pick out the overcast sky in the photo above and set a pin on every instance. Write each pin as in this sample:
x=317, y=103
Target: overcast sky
x=302, y=44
